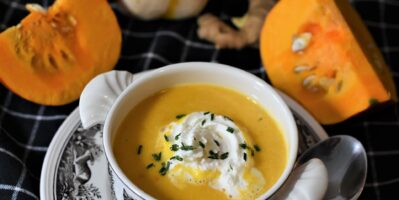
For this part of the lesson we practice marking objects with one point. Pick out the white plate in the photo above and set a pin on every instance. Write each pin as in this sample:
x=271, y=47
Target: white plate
x=75, y=166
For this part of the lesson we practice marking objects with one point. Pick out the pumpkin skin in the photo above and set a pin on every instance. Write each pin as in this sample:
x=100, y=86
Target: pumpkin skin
x=339, y=72
x=51, y=55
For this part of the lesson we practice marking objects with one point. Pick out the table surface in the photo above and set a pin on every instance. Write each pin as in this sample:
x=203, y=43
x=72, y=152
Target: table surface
x=26, y=129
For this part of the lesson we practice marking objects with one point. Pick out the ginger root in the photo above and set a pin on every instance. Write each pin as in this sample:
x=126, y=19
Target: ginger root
x=213, y=29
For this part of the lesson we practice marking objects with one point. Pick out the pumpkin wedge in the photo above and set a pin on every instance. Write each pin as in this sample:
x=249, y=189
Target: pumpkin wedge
x=320, y=53
x=51, y=54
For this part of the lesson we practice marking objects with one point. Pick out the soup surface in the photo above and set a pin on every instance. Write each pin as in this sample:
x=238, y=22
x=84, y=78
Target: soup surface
x=199, y=141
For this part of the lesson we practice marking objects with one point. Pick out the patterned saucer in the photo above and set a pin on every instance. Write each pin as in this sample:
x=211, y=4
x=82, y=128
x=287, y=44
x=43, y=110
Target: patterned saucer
x=75, y=166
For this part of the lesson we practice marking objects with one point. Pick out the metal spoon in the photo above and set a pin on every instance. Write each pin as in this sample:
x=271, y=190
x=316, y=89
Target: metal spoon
x=346, y=163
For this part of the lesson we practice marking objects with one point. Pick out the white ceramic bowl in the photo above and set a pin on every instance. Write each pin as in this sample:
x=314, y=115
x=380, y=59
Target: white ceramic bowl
x=109, y=97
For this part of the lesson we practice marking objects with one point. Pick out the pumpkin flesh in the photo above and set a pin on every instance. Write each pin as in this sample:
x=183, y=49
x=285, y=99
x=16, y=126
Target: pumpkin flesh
x=339, y=71
x=50, y=56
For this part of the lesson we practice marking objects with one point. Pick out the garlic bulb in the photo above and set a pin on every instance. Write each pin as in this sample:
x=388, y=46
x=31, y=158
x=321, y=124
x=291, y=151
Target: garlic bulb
x=170, y=9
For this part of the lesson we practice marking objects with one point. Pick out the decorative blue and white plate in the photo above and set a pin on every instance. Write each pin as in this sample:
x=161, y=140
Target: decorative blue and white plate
x=75, y=166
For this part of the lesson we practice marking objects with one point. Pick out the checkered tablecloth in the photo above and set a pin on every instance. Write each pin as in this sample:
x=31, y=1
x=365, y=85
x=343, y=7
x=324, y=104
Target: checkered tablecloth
x=26, y=129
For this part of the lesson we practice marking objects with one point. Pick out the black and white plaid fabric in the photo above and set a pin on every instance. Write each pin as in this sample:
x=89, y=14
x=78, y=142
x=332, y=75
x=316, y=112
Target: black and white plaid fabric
x=26, y=129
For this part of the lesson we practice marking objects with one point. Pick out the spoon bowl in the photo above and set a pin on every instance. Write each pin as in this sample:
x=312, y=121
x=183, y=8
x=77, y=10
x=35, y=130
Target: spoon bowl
x=346, y=163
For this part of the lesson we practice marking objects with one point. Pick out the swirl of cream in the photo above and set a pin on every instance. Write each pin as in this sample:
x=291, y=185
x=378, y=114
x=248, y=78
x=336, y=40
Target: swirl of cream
x=212, y=143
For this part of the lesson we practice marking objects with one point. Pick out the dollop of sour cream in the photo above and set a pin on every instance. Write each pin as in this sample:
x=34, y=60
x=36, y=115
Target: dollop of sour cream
x=210, y=149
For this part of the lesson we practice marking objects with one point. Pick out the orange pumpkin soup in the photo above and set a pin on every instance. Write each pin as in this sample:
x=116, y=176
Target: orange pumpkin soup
x=197, y=140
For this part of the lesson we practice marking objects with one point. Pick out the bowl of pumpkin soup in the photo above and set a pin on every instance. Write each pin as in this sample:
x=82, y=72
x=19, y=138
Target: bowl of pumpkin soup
x=192, y=131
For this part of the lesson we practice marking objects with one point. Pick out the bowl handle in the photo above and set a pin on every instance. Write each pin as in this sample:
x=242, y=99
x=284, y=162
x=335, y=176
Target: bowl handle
x=100, y=94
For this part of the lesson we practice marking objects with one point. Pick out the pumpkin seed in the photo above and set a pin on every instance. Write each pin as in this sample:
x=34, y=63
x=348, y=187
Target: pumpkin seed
x=301, y=68
x=33, y=7
x=326, y=82
x=314, y=89
x=308, y=80
x=310, y=84
x=301, y=41
x=72, y=20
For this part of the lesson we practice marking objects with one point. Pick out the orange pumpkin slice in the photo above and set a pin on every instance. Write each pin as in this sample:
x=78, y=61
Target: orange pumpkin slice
x=51, y=55
x=320, y=53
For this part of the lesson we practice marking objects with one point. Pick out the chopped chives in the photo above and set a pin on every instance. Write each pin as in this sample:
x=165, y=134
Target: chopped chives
x=257, y=148
x=177, y=158
x=245, y=156
x=243, y=146
x=213, y=155
x=217, y=143
x=203, y=122
x=164, y=169
x=157, y=156
x=180, y=116
x=224, y=156
x=252, y=153
x=201, y=144
x=177, y=136
x=166, y=138
x=212, y=117
x=186, y=147
x=231, y=167
x=174, y=147
x=230, y=129
x=139, y=149
x=205, y=113
x=150, y=165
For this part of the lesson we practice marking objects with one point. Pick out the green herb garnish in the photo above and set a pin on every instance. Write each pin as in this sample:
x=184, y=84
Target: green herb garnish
x=245, y=156
x=224, y=156
x=217, y=143
x=212, y=117
x=157, y=156
x=252, y=153
x=165, y=168
x=139, y=149
x=174, y=147
x=205, y=113
x=257, y=148
x=201, y=144
x=186, y=147
x=150, y=165
x=243, y=146
x=166, y=138
x=203, y=122
x=230, y=129
x=213, y=155
x=177, y=136
x=180, y=116
x=177, y=158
